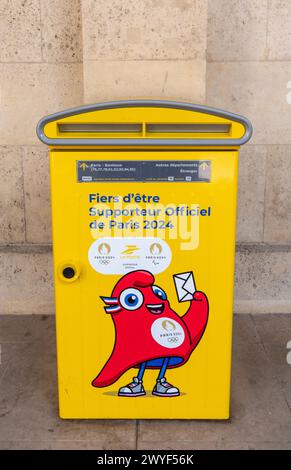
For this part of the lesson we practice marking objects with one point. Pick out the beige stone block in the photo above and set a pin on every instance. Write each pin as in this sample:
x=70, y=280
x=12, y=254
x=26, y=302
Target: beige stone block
x=144, y=79
x=30, y=91
x=277, y=227
x=105, y=441
x=144, y=29
x=20, y=32
x=172, y=444
x=37, y=194
x=12, y=226
x=257, y=90
x=279, y=33
x=251, y=193
x=61, y=30
x=236, y=30
x=263, y=280
x=26, y=283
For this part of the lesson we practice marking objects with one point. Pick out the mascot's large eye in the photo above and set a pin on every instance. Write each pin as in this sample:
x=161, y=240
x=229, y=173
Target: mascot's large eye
x=131, y=299
x=159, y=293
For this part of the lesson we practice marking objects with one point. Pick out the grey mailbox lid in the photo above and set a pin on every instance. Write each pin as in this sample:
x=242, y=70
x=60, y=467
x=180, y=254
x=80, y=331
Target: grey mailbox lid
x=144, y=141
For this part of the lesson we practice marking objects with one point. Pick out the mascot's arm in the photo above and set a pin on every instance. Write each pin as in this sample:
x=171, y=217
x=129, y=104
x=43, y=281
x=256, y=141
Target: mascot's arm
x=196, y=316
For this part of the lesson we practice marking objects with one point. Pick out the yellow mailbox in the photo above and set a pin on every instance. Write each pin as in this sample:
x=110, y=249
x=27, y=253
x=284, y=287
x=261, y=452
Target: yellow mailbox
x=144, y=208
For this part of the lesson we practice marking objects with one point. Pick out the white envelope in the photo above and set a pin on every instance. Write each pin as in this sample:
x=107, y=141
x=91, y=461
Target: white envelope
x=185, y=286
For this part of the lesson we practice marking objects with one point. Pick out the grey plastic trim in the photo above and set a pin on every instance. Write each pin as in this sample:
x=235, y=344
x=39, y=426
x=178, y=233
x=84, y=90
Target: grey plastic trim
x=145, y=142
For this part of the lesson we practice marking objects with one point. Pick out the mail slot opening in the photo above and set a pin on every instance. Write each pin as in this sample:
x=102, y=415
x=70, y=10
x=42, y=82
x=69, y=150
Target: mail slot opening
x=100, y=128
x=181, y=128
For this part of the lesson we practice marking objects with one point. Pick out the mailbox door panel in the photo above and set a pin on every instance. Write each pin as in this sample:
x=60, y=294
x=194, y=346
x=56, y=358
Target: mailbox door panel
x=170, y=214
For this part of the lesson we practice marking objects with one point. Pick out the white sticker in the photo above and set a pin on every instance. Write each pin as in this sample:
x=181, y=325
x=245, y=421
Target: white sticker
x=120, y=255
x=167, y=332
x=185, y=286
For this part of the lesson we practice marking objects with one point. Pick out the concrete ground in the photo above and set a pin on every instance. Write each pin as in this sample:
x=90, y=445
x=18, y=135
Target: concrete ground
x=261, y=395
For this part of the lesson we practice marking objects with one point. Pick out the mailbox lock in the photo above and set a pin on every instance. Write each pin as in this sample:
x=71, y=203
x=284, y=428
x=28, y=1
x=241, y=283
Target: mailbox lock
x=68, y=272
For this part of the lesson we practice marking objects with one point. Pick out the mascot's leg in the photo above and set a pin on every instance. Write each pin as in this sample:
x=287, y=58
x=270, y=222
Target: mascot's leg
x=141, y=370
x=162, y=387
x=135, y=388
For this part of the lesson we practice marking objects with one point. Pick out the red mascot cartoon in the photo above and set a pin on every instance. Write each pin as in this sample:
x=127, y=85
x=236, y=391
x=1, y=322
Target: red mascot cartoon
x=149, y=334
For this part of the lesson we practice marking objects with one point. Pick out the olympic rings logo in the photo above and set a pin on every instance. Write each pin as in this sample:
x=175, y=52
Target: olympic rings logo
x=173, y=340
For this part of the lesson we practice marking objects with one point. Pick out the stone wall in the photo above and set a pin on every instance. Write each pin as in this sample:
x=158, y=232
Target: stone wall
x=233, y=54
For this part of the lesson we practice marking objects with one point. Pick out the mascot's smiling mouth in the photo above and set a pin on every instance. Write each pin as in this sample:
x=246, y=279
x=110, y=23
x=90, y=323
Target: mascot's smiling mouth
x=156, y=309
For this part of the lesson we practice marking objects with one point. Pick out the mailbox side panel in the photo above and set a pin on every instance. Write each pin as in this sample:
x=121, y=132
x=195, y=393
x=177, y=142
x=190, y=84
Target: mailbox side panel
x=201, y=242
